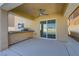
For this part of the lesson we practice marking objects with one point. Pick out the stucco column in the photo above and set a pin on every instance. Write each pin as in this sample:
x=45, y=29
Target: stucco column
x=62, y=29
x=3, y=29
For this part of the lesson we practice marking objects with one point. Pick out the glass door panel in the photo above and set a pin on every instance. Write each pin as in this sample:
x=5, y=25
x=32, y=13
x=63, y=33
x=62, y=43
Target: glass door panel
x=43, y=28
x=51, y=29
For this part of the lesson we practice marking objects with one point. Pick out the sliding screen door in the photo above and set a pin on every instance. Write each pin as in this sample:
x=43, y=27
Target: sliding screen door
x=47, y=29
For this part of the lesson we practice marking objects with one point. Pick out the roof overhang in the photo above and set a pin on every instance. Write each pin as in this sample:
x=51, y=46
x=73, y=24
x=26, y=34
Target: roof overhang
x=9, y=6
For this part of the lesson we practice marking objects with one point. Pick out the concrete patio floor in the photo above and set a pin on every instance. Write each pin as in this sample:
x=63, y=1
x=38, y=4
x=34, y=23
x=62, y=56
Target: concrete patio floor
x=42, y=47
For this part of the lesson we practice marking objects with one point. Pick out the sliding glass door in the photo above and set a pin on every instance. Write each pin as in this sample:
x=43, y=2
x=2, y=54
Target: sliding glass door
x=47, y=29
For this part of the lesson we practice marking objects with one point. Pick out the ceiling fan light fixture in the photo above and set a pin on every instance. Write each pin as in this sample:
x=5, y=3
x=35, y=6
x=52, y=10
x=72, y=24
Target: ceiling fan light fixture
x=40, y=14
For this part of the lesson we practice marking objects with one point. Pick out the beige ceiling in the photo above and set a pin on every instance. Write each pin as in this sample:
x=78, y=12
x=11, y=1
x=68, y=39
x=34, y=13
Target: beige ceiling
x=31, y=10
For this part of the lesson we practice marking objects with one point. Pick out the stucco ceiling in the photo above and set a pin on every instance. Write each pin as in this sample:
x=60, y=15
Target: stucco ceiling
x=31, y=10
x=9, y=6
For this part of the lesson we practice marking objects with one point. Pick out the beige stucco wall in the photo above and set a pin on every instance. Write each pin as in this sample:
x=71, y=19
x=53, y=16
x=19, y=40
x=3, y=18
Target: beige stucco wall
x=3, y=29
x=11, y=20
x=18, y=19
x=61, y=26
x=27, y=22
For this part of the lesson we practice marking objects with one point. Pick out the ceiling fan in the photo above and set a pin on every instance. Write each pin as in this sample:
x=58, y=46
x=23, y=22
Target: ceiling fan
x=42, y=12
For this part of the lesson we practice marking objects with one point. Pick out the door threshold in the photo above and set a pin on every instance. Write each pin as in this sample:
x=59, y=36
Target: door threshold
x=47, y=38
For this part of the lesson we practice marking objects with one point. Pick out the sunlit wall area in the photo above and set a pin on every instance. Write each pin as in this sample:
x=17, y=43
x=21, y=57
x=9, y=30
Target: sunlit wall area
x=14, y=20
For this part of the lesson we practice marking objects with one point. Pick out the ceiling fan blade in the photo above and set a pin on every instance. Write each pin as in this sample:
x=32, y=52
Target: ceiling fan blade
x=42, y=12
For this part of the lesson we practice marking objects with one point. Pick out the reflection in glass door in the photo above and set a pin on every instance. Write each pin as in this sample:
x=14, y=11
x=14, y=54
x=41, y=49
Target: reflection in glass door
x=43, y=28
x=47, y=29
x=51, y=29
